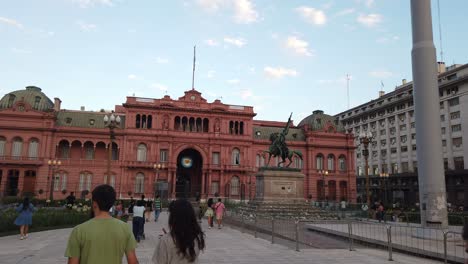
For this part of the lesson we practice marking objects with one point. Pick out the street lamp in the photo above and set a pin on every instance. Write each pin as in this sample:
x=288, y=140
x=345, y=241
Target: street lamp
x=157, y=167
x=54, y=165
x=111, y=122
x=385, y=175
x=365, y=138
x=324, y=173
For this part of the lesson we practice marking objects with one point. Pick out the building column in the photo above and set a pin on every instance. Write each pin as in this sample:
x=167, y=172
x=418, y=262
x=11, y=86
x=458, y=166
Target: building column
x=432, y=191
x=203, y=191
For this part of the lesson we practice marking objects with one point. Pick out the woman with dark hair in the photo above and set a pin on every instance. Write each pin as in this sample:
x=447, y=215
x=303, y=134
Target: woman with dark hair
x=24, y=219
x=209, y=212
x=185, y=239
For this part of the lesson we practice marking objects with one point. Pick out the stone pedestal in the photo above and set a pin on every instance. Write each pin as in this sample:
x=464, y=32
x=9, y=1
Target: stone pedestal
x=279, y=185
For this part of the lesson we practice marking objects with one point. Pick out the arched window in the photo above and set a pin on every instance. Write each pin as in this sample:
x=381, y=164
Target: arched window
x=184, y=123
x=331, y=162
x=141, y=152
x=86, y=179
x=64, y=149
x=235, y=185
x=33, y=148
x=17, y=147
x=177, y=125
x=60, y=177
x=37, y=100
x=241, y=129
x=235, y=156
x=150, y=121
x=110, y=181
x=231, y=127
x=236, y=127
x=319, y=162
x=199, y=125
x=143, y=121
x=342, y=163
x=89, y=150
x=138, y=120
x=192, y=124
x=2, y=146
x=205, y=125
x=140, y=183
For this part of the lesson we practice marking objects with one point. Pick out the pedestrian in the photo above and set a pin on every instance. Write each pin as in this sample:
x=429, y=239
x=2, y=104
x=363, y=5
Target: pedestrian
x=380, y=212
x=209, y=212
x=219, y=209
x=149, y=209
x=102, y=239
x=465, y=238
x=70, y=200
x=138, y=221
x=185, y=240
x=24, y=219
x=119, y=210
x=157, y=207
x=130, y=206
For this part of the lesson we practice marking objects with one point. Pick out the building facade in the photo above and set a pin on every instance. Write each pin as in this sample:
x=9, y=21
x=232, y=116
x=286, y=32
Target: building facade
x=183, y=147
x=392, y=151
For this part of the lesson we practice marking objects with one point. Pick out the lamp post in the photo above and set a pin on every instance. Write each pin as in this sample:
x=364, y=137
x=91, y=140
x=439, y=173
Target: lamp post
x=157, y=167
x=324, y=173
x=54, y=165
x=112, y=123
x=365, y=138
x=385, y=176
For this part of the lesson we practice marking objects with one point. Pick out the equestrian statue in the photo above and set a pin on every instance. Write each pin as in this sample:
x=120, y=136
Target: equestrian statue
x=278, y=147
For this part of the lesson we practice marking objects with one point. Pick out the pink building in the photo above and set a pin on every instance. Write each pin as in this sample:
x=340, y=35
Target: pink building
x=201, y=148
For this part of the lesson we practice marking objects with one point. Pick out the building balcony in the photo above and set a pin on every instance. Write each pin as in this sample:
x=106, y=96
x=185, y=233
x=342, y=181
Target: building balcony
x=87, y=162
x=19, y=160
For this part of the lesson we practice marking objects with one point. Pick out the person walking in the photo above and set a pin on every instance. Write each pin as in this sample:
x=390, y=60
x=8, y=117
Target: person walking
x=70, y=200
x=119, y=210
x=157, y=207
x=209, y=212
x=24, y=219
x=138, y=220
x=102, y=239
x=219, y=209
x=380, y=212
x=185, y=240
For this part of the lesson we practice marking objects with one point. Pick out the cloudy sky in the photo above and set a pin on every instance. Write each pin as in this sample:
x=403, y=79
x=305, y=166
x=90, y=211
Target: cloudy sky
x=278, y=56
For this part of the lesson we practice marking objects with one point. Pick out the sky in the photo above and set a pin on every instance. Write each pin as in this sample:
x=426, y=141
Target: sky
x=275, y=55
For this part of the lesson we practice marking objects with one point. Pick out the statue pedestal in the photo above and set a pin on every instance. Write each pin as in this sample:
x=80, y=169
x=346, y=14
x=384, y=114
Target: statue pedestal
x=279, y=185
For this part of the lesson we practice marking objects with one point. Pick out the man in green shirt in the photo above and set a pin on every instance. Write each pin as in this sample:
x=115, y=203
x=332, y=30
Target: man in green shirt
x=103, y=239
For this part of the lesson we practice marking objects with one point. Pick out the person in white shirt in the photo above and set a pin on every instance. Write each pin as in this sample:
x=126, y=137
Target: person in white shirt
x=138, y=220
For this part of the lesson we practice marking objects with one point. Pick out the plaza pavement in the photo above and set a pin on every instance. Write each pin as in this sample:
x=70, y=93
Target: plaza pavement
x=227, y=245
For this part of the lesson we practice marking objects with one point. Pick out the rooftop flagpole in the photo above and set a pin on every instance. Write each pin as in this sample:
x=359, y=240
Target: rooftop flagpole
x=193, y=73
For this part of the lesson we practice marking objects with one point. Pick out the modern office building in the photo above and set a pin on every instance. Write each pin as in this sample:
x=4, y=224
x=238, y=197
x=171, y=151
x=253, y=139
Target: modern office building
x=392, y=151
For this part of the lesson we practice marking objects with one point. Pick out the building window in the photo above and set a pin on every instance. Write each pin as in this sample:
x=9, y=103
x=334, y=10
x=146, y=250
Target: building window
x=383, y=142
x=413, y=125
x=394, y=168
x=216, y=158
x=457, y=142
x=415, y=166
x=110, y=181
x=85, y=181
x=64, y=150
x=403, y=128
x=17, y=148
x=393, y=141
x=235, y=157
x=445, y=164
x=444, y=143
x=393, y=150
x=2, y=146
x=319, y=162
x=442, y=118
x=455, y=115
x=140, y=183
x=392, y=130
x=383, y=132
x=404, y=167
x=403, y=139
x=375, y=170
x=33, y=149
x=342, y=163
x=214, y=187
x=359, y=170
x=57, y=181
x=297, y=163
x=331, y=162
x=414, y=147
x=89, y=151
x=235, y=185
x=456, y=128
x=141, y=152
x=459, y=163
x=454, y=101
x=404, y=149
x=442, y=130
x=37, y=100
x=413, y=136
x=163, y=155
x=383, y=152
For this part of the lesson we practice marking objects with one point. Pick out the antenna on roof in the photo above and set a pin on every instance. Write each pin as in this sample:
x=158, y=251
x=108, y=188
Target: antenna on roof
x=193, y=73
x=440, y=32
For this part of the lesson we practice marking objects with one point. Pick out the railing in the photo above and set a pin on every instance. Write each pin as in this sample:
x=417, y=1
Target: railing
x=434, y=243
x=20, y=159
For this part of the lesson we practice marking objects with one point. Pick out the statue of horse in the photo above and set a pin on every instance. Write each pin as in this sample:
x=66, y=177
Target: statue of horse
x=290, y=154
x=279, y=149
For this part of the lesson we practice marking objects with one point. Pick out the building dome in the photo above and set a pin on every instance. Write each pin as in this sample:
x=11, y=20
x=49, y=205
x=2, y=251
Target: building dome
x=318, y=121
x=32, y=95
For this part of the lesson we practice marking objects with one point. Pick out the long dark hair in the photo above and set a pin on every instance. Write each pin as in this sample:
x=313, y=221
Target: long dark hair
x=210, y=202
x=25, y=203
x=185, y=229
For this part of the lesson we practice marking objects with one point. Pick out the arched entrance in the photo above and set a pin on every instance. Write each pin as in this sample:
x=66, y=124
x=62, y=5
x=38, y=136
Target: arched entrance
x=189, y=174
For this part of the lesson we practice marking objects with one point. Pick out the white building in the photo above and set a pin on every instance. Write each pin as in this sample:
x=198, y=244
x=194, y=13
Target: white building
x=390, y=118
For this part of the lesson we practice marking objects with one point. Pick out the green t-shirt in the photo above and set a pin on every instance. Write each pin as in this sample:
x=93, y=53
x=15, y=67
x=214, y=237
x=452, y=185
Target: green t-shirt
x=100, y=241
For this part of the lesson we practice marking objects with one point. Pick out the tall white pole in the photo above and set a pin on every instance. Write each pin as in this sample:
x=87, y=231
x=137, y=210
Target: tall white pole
x=426, y=103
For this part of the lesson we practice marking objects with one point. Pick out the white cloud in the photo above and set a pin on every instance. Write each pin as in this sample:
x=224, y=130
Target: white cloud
x=299, y=46
x=244, y=12
x=86, y=26
x=159, y=86
x=211, y=5
x=274, y=35
x=369, y=3
x=210, y=74
x=233, y=81
x=211, y=42
x=252, y=70
x=312, y=15
x=246, y=94
x=20, y=51
x=132, y=77
x=387, y=39
x=279, y=72
x=370, y=20
x=381, y=74
x=345, y=12
x=11, y=22
x=161, y=60
x=239, y=42
x=89, y=3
